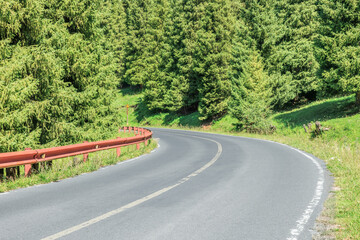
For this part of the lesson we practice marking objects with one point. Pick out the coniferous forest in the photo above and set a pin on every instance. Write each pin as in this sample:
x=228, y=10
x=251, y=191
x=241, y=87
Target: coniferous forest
x=61, y=62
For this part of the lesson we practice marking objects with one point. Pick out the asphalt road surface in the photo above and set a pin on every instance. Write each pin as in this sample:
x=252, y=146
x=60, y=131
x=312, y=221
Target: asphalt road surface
x=194, y=186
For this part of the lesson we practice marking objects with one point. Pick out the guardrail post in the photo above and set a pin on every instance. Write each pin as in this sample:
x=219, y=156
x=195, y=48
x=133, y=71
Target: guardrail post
x=27, y=166
x=129, y=128
x=27, y=170
x=146, y=141
x=124, y=129
x=118, y=150
x=85, y=155
x=138, y=144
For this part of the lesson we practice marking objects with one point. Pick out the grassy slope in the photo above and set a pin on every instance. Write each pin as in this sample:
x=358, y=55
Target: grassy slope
x=339, y=147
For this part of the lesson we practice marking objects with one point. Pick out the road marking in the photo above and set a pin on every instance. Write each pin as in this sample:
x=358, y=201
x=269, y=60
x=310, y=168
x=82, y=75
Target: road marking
x=295, y=232
x=305, y=217
x=139, y=201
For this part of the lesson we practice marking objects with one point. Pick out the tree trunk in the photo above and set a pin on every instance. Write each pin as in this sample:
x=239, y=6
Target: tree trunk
x=358, y=98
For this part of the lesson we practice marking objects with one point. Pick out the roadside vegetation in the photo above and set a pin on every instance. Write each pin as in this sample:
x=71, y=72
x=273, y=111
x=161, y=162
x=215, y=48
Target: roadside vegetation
x=73, y=166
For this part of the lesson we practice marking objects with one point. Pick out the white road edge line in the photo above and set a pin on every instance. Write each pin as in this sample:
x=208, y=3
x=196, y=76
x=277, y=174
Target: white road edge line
x=303, y=220
x=139, y=201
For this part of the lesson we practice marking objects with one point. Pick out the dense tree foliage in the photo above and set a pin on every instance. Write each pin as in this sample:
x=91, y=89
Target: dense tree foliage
x=339, y=48
x=251, y=95
x=204, y=47
x=61, y=61
x=57, y=71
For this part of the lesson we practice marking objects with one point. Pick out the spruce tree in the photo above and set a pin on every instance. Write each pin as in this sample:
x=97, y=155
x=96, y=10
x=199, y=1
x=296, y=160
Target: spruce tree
x=284, y=32
x=295, y=54
x=339, y=48
x=215, y=44
x=195, y=57
x=251, y=95
x=158, y=94
x=144, y=34
x=58, y=74
x=202, y=50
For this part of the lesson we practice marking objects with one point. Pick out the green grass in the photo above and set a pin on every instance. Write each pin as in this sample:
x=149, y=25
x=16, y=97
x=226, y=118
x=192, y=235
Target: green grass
x=318, y=111
x=338, y=114
x=73, y=166
x=339, y=147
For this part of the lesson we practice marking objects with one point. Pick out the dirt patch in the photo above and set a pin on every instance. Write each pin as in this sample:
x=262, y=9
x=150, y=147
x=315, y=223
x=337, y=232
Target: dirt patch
x=325, y=226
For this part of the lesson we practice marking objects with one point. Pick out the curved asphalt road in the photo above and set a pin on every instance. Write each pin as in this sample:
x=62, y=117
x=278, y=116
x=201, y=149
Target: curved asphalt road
x=195, y=186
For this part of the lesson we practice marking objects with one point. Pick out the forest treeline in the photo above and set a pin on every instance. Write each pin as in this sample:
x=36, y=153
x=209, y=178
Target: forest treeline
x=63, y=60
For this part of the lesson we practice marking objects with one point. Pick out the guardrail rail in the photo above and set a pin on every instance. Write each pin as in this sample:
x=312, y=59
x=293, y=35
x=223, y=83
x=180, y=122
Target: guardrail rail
x=30, y=158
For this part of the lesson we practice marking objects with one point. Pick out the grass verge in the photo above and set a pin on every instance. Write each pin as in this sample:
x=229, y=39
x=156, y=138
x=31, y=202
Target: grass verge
x=73, y=166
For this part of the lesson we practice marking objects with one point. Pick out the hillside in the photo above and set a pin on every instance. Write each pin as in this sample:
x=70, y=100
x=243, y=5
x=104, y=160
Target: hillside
x=340, y=115
x=61, y=62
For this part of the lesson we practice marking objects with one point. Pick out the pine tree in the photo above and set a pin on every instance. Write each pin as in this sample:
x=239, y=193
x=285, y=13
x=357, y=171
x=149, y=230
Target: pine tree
x=339, y=48
x=195, y=57
x=144, y=31
x=58, y=74
x=296, y=52
x=284, y=32
x=251, y=95
x=111, y=32
x=215, y=43
x=159, y=95
x=201, y=40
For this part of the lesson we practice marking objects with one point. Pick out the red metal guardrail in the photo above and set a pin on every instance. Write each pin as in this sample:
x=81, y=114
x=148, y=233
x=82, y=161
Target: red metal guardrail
x=29, y=157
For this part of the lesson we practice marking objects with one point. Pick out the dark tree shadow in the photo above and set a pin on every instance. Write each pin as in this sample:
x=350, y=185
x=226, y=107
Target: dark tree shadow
x=130, y=91
x=190, y=120
x=330, y=109
x=142, y=112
